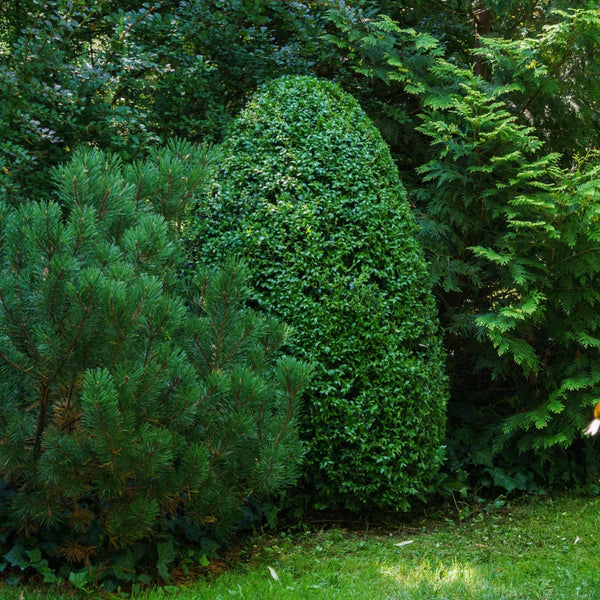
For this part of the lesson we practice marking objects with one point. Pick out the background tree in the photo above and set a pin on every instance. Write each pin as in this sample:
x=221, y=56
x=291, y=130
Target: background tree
x=552, y=73
x=124, y=76
x=486, y=152
x=504, y=252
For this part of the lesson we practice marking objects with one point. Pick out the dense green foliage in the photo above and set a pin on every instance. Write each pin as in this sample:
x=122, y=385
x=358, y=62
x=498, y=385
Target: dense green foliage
x=139, y=409
x=125, y=75
x=308, y=195
x=513, y=243
x=60, y=87
x=547, y=51
x=509, y=228
x=553, y=80
x=484, y=103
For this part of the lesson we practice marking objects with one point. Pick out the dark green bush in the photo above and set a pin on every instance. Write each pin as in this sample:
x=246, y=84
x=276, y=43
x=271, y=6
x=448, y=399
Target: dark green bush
x=138, y=410
x=62, y=83
x=307, y=193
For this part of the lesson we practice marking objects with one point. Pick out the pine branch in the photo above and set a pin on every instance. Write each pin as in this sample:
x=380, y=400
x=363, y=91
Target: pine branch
x=21, y=326
x=53, y=296
x=161, y=368
x=80, y=328
x=15, y=366
x=41, y=423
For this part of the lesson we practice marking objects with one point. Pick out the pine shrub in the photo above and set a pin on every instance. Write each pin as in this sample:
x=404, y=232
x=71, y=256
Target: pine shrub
x=140, y=409
x=308, y=195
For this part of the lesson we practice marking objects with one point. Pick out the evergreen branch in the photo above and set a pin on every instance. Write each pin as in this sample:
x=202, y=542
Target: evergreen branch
x=118, y=230
x=86, y=314
x=265, y=476
x=146, y=459
x=216, y=364
x=120, y=334
x=151, y=337
x=15, y=366
x=222, y=329
x=75, y=191
x=258, y=421
x=173, y=383
x=41, y=423
x=138, y=195
x=290, y=408
x=169, y=191
x=200, y=179
x=19, y=324
x=205, y=356
x=156, y=374
x=53, y=296
x=105, y=432
x=170, y=389
x=238, y=395
x=570, y=45
x=103, y=202
x=582, y=253
x=219, y=340
x=288, y=418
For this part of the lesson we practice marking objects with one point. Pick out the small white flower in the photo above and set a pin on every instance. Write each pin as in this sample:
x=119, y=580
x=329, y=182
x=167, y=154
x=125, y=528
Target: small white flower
x=593, y=427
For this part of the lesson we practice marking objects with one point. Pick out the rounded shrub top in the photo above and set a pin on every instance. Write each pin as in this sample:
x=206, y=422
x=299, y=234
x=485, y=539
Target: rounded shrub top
x=308, y=194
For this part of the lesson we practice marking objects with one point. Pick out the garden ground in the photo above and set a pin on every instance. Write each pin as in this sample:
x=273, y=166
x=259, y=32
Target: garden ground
x=537, y=548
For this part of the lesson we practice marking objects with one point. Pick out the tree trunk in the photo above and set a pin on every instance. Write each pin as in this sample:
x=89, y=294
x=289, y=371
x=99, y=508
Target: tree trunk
x=482, y=18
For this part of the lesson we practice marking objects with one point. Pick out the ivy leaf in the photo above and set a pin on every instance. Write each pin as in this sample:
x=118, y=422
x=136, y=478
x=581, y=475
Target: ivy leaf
x=166, y=555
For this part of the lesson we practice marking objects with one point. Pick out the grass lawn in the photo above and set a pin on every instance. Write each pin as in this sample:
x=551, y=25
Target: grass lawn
x=545, y=548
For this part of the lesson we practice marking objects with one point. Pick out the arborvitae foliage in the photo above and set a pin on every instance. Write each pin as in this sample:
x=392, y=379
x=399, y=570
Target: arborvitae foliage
x=546, y=322
x=514, y=244
x=552, y=77
x=136, y=407
x=482, y=159
x=307, y=193
x=546, y=51
x=500, y=140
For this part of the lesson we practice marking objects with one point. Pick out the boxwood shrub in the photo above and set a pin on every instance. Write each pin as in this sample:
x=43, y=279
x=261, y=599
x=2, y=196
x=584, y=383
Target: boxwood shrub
x=307, y=194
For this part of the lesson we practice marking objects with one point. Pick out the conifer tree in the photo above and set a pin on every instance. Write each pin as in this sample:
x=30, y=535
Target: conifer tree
x=513, y=240
x=136, y=404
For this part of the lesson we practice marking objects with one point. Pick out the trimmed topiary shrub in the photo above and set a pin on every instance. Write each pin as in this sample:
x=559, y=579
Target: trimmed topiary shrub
x=308, y=194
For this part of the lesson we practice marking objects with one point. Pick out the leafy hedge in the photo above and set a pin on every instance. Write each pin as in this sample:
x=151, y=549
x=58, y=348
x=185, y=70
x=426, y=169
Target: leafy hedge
x=307, y=193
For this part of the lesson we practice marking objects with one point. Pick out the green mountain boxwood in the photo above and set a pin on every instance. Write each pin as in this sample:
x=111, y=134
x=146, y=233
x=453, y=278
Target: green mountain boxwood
x=307, y=194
